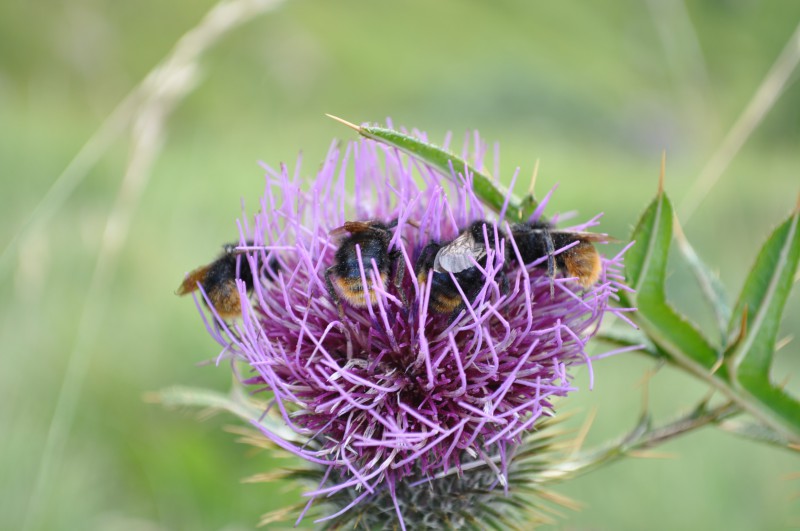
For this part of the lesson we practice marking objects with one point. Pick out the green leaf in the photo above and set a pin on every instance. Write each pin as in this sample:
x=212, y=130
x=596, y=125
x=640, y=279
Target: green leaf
x=745, y=378
x=527, y=206
x=179, y=396
x=235, y=402
x=646, y=266
x=764, y=297
x=486, y=188
x=710, y=285
x=778, y=409
x=620, y=336
x=756, y=432
x=759, y=309
x=642, y=260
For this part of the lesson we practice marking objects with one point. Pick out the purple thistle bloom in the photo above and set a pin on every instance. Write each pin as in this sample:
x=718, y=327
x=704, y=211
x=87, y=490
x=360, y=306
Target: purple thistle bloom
x=391, y=391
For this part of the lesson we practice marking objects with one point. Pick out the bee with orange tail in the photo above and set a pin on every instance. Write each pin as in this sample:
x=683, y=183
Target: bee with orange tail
x=538, y=239
x=218, y=280
x=343, y=278
x=457, y=257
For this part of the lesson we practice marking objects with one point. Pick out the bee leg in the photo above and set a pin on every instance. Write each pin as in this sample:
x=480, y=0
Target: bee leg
x=399, y=275
x=332, y=291
x=551, y=261
x=505, y=288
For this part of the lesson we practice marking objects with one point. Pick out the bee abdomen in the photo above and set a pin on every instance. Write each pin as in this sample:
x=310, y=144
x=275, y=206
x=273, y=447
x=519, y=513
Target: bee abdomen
x=583, y=262
x=351, y=289
x=224, y=297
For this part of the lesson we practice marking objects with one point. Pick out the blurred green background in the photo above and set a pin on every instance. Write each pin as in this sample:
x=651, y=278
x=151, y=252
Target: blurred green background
x=595, y=90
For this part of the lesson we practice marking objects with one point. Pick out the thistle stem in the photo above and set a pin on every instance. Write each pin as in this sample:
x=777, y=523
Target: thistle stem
x=642, y=437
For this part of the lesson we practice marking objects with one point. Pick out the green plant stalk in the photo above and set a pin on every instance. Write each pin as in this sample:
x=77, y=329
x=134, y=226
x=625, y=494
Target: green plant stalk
x=766, y=411
x=642, y=437
x=763, y=410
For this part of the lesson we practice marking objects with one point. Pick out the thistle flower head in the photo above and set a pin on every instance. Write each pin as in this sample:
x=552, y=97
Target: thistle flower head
x=465, y=501
x=387, y=387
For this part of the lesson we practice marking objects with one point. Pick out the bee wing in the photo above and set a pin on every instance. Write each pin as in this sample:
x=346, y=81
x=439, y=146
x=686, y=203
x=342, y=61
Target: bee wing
x=354, y=227
x=351, y=227
x=457, y=255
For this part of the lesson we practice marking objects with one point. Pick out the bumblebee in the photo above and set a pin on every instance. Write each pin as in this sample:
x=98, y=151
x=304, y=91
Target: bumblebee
x=218, y=280
x=343, y=278
x=538, y=239
x=456, y=257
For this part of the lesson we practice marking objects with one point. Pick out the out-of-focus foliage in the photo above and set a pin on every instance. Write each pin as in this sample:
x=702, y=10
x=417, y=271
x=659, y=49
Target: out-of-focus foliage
x=593, y=90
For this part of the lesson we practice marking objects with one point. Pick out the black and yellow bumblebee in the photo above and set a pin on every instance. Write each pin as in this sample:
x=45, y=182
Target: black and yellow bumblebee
x=458, y=257
x=539, y=238
x=218, y=279
x=343, y=278
x=534, y=240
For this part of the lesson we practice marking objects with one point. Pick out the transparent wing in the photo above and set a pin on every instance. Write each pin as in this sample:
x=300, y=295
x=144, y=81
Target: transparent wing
x=458, y=255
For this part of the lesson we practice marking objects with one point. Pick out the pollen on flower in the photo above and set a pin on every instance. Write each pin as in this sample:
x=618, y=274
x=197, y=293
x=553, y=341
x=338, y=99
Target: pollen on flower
x=443, y=359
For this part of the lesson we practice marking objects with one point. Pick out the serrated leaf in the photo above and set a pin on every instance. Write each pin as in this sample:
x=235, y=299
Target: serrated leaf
x=762, y=301
x=488, y=190
x=687, y=347
x=646, y=266
x=764, y=296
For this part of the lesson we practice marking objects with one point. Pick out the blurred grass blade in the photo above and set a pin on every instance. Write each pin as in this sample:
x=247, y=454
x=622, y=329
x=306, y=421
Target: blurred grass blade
x=645, y=267
x=487, y=189
x=710, y=285
x=764, y=297
x=772, y=86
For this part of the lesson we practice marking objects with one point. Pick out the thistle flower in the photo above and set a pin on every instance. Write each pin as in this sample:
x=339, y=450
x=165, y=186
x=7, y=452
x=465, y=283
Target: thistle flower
x=388, y=393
